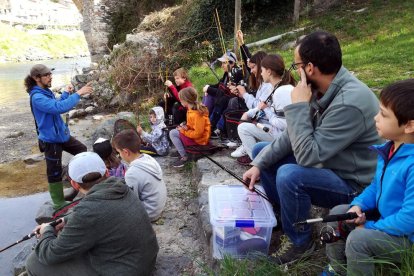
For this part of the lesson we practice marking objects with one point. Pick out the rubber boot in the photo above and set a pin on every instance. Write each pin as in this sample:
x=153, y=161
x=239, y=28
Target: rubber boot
x=56, y=193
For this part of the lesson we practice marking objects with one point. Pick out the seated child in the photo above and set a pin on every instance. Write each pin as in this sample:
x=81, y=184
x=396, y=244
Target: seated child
x=181, y=80
x=197, y=129
x=114, y=165
x=157, y=139
x=144, y=174
x=391, y=192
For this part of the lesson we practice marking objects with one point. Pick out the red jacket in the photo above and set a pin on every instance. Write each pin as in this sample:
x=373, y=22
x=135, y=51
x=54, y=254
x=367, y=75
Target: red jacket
x=174, y=90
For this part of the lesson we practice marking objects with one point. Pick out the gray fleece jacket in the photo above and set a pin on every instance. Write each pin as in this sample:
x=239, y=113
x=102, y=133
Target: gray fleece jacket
x=109, y=228
x=144, y=176
x=333, y=132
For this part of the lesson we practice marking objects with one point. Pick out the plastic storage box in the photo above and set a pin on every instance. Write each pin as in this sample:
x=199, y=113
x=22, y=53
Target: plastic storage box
x=242, y=221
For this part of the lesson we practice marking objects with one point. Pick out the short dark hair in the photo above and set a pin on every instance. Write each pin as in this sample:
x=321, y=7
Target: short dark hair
x=322, y=49
x=127, y=139
x=90, y=179
x=399, y=97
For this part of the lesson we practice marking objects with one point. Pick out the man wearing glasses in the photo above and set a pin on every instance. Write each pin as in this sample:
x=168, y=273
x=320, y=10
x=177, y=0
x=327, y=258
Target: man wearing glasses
x=53, y=133
x=322, y=157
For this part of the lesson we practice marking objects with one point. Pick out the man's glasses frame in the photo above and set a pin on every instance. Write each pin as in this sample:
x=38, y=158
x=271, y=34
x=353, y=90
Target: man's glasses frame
x=295, y=66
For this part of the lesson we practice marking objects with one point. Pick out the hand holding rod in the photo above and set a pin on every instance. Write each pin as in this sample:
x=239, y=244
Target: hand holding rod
x=370, y=215
x=260, y=193
x=29, y=236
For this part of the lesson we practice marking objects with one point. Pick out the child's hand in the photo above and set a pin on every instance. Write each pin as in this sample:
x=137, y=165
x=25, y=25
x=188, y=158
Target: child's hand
x=139, y=129
x=168, y=83
x=361, y=216
x=69, y=88
x=241, y=89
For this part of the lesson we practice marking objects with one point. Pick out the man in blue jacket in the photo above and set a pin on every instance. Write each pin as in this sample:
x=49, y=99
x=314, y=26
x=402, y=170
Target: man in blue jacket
x=53, y=133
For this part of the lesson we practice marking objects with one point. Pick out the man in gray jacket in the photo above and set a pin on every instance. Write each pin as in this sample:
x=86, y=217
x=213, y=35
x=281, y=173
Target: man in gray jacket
x=108, y=232
x=322, y=157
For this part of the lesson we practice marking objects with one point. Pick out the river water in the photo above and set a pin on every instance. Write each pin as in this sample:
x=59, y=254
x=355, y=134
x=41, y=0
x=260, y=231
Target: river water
x=17, y=214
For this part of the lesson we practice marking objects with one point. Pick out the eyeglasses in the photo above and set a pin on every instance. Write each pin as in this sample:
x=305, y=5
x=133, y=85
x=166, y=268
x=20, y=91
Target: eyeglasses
x=295, y=66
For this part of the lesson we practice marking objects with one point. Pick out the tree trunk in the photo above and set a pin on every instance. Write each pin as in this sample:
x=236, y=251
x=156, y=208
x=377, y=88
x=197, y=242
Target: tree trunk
x=296, y=11
x=237, y=23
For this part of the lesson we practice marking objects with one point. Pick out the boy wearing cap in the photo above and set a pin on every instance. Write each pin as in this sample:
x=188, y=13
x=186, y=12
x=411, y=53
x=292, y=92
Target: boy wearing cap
x=108, y=232
x=220, y=92
x=53, y=134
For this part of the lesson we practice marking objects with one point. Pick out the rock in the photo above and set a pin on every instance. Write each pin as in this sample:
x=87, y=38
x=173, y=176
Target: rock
x=361, y=10
x=97, y=117
x=19, y=261
x=34, y=158
x=15, y=134
x=288, y=45
x=90, y=109
x=76, y=113
x=45, y=213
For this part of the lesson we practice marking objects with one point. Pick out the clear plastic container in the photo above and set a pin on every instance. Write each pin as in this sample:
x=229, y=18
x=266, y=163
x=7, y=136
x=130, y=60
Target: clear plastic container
x=242, y=221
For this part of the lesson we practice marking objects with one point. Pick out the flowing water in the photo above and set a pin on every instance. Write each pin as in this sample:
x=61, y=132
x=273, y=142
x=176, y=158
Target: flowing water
x=17, y=214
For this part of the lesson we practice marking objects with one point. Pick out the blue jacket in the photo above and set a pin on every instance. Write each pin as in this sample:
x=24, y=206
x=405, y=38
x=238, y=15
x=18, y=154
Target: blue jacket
x=392, y=192
x=47, y=110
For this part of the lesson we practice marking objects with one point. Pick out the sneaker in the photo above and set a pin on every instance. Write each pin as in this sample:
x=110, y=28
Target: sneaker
x=215, y=134
x=239, y=152
x=180, y=162
x=288, y=253
x=233, y=144
x=328, y=271
x=244, y=160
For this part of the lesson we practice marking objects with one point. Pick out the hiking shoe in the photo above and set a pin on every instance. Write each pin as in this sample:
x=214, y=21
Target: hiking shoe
x=328, y=271
x=233, y=144
x=239, y=152
x=215, y=134
x=244, y=160
x=289, y=253
x=180, y=162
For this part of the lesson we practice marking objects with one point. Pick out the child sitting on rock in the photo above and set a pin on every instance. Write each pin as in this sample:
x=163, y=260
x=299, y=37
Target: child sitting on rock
x=144, y=174
x=197, y=129
x=157, y=140
x=114, y=165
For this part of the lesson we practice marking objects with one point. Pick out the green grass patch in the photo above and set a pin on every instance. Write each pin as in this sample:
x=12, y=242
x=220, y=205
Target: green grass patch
x=202, y=75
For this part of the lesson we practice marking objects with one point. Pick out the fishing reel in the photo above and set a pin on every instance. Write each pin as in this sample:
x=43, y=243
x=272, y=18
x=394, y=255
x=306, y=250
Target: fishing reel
x=329, y=235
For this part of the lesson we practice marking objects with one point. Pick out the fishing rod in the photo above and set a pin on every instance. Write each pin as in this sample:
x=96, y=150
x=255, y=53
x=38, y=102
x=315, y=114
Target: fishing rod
x=29, y=236
x=370, y=215
x=260, y=193
x=210, y=66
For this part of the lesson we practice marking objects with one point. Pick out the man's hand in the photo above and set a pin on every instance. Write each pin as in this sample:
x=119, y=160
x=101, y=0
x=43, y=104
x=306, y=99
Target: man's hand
x=252, y=174
x=302, y=92
x=168, y=83
x=69, y=88
x=87, y=89
x=361, y=219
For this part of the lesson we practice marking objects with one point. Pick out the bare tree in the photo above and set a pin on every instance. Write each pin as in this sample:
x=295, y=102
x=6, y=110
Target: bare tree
x=237, y=23
x=296, y=11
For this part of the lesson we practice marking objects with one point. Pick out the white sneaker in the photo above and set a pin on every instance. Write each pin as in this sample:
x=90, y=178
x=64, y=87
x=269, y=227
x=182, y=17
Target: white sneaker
x=232, y=144
x=239, y=152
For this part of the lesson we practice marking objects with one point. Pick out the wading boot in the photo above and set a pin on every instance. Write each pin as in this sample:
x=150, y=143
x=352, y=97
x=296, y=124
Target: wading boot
x=56, y=193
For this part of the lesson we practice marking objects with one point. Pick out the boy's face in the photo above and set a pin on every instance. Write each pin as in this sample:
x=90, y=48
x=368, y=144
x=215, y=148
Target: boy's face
x=152, y=118
x=387, y=124
x=179, y=80
x=125, y=155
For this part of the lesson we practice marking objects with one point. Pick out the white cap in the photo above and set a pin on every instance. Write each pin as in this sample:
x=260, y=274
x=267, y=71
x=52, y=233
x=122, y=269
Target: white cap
x=228, y=56
x=84, y=163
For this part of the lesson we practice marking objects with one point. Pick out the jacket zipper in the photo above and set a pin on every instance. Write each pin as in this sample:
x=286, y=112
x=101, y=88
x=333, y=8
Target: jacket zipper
x=387, y=161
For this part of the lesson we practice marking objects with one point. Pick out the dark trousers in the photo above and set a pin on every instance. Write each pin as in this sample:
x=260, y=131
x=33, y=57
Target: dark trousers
x=53, y=156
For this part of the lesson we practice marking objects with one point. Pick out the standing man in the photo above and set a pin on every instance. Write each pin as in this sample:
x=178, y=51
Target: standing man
x=108, y=232
x=322, y=158
x=53, y=133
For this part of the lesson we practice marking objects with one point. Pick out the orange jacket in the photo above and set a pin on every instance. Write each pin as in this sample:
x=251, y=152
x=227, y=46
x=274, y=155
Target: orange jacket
x=199, y=127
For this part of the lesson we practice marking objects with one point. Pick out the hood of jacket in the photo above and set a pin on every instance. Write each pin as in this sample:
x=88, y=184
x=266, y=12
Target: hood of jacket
x=148, y=164
x=109, y=189
x=159, y=115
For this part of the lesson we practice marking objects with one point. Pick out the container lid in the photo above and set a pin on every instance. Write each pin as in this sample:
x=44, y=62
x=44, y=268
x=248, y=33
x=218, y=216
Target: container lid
x=234, y=205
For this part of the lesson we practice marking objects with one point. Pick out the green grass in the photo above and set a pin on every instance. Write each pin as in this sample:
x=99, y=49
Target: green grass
x=377, y=44
x=200, y=76
x=15, y=43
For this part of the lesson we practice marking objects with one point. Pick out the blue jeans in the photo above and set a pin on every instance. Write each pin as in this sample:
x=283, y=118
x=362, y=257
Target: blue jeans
x=295, y=188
